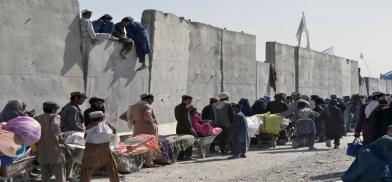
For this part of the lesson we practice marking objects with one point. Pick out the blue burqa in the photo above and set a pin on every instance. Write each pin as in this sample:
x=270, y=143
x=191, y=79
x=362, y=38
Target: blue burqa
x=259, y=107
x=245, y=107
x=373, y=163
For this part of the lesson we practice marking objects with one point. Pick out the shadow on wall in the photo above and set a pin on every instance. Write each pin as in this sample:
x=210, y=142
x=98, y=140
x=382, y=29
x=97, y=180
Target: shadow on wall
x=121, y=68
x=72, y=53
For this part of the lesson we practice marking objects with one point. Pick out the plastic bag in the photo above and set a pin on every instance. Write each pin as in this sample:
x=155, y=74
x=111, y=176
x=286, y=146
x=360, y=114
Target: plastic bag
x=272, y=124
x=354, y=147
x=27, y=128
x=76, y=138
x=254, y=123
x=114, y=142
x=101, y=133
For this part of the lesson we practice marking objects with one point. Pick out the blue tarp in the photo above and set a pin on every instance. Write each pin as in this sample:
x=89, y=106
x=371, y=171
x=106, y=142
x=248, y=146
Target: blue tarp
x=386, y=76
x=139, y=35
x=372, y=163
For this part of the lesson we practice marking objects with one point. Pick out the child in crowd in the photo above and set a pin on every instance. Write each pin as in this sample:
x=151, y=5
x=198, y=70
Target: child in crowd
x=239, y=133
x=51, y=154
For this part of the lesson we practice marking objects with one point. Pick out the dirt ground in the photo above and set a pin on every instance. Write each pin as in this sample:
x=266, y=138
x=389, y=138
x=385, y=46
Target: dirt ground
x=280, y=164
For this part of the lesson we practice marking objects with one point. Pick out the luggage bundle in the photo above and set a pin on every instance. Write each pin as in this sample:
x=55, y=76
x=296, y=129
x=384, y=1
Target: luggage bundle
x=272, y=124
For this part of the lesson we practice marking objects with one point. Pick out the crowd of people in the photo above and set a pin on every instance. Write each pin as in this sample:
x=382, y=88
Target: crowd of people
x=316, y=120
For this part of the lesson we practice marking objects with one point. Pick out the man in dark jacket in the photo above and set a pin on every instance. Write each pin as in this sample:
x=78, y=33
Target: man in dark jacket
x=319, y=122
x=277, y=106
x=382, y=117
x=340, y=104
x=224, y=115
x=367, y=120
x=119, y=32
x=184, y=125
x=71, y=116
x=334, y=123
x=208, y=115
x=208, y=111
x=96, y=104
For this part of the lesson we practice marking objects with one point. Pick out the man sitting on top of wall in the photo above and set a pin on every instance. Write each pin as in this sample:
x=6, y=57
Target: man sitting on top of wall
x=119, y=32
x=104, y=24
x=88, y=34
x=139, y=35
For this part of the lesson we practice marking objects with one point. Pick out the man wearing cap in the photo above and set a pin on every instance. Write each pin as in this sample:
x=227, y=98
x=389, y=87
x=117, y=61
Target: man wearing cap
x=184, y=125
x=96, y=104
x=119, y=32
x=366, y=123
x=208, y=111
x=224, y=115
x=50, y=150
x=71, y=116
x=144, y=121
x=88, y=34
x=98, y=155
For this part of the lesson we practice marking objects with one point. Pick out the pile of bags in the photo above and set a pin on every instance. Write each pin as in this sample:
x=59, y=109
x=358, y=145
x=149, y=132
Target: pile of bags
x=272, y=124
x=265, y=123
x=18, y=132
x=254, y=123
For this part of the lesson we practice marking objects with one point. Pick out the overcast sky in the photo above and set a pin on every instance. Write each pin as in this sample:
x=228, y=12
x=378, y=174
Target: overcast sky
x=352, y=27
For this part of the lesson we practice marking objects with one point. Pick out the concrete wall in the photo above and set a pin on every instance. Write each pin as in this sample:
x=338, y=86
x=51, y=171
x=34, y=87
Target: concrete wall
x=375, y=85
x=355, y=86
x=312, y=73
x=194, y=58
x=239, y=65
x=262, y=72
x=115, y=79
x=204, y=73
x=363, y=88
x=39, y=51
x=169, y=62
x=283, y=57
x=370, y=85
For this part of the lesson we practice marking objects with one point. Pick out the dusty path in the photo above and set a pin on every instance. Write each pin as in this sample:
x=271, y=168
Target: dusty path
x=280, y=164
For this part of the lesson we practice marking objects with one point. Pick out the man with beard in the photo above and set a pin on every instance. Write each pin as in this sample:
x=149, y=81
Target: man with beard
x=96, y=104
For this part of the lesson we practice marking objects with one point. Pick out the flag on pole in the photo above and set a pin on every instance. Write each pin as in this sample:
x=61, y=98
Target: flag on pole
x=329, y=51
x=302, y=28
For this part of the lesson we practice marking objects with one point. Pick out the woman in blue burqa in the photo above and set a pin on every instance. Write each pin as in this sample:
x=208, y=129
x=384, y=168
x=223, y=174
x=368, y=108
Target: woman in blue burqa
x=245, y=107
x=259, y=107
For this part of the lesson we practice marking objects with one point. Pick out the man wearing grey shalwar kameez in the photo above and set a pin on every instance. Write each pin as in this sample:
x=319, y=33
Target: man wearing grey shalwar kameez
x=88, y=35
